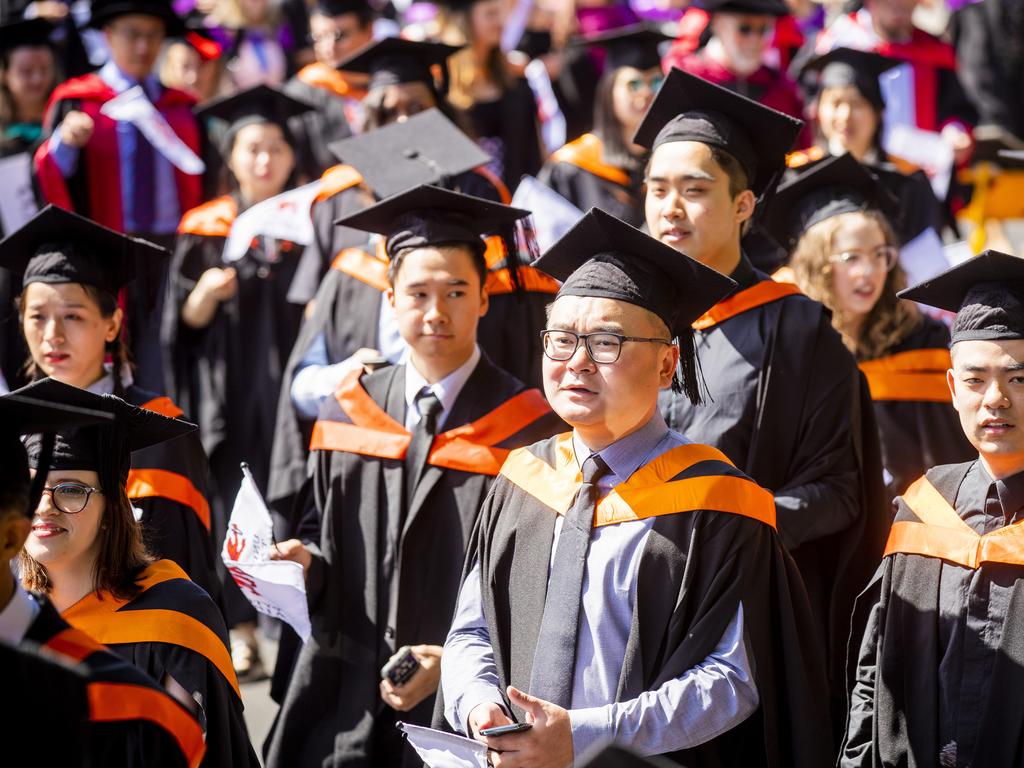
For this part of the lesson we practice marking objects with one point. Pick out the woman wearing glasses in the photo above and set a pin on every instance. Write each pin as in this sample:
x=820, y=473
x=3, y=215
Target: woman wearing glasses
x=604, y=169
x=69, y=272
x=846, y=257
x=85, y=552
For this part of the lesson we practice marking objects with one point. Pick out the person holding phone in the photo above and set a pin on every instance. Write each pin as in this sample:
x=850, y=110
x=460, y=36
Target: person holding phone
x=403, y=458
x=626, y=584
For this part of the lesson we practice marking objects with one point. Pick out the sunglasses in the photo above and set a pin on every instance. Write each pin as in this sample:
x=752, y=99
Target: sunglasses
x=637, y=84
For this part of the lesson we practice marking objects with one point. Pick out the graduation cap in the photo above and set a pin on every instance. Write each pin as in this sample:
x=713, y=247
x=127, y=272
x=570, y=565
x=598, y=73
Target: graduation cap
x=333, y=8
x=986, y=292
x=828, y=188
x=752, y=7
x=689, y=108
x=57, y=246
x=394, y=60
x=604, y=257
x=633, y=46
x=30, y=33
x=259, y=104
x=105, y=11
x=105, y=448
x=427, y=215
x=427, y=148
x=841, y=67
x=20, y=415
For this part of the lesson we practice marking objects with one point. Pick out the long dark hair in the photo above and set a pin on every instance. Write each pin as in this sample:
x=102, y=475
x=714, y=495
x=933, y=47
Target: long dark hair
x=116, y=350
x=608, y=128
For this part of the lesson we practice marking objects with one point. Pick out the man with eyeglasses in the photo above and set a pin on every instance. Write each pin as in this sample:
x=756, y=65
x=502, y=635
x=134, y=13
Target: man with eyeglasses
x=338, y=29
x=627, y=585
x=785, y=403
x=739, y=56
x=109, y=171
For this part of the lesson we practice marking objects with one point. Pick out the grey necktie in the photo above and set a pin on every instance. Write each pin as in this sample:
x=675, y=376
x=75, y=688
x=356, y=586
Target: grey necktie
x=554, y=660
x=429, y=408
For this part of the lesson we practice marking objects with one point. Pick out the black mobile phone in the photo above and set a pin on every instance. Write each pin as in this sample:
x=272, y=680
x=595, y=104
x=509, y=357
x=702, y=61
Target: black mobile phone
x=402, y=667
x=501, y=730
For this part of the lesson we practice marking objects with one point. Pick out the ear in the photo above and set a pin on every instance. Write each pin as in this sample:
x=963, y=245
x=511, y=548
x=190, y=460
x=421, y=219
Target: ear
x=485, y=301
x=745, y=202
x=115, y=325
x=667, y=368
x=389, y=296
x=951, y=383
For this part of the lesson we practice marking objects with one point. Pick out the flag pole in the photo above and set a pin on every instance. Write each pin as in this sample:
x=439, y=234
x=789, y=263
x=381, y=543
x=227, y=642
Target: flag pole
x=247, y=474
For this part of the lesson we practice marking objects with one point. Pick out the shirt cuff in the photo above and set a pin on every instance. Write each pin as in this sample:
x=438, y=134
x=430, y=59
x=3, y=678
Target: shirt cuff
x=591, y=727
x=473, y=695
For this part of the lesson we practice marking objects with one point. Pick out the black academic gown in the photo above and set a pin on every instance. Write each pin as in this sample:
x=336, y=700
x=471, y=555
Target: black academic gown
x=788, y=406
x=386, y=572
x=937, y=650
x=172, y=628
x=918, y=434
x=696, y=568
x=131, y=721
x=315, y=130
x=169, y=482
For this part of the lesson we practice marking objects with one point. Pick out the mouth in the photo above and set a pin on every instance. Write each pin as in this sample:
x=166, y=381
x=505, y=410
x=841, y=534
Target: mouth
x=674, y=234
x=864, y=291
x=996, y=426
x=47, y=530
x=55, y=357
x=578, y=390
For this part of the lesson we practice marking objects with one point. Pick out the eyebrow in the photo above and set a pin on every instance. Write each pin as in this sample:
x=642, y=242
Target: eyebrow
x=1005, y=368
x=690, y=176
x=38, y=304
x=423, y=283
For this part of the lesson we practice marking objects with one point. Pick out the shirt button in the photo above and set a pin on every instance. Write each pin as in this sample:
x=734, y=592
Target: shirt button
x=389, y=633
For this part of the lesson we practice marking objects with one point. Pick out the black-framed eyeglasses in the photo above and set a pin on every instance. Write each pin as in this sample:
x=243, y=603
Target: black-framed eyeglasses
x=70, y=497
x=603, y=347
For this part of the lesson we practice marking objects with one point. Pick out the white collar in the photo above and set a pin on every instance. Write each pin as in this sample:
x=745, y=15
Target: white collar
x=447, y=389
x=17, y=616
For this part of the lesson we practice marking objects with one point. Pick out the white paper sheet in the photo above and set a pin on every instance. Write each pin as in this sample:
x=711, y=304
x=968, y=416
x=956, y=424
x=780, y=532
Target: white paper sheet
x=553, y=215
x=444, y=750
x=17, y=201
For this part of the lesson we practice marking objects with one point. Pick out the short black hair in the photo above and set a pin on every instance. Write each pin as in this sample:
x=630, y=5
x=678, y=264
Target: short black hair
x=738, y=179
x=365, y=15
x=476, y=252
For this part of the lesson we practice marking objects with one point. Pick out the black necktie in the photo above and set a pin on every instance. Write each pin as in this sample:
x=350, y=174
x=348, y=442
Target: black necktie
x=429, y=408
x=555, y=659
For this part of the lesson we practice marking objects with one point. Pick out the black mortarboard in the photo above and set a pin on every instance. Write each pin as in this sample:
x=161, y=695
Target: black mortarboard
x=986, y=292
x=689, y=108
x=394, y=60
x=105, y=449
x=841, y=67
x=334, y=8
x=633, y=46
x=826, y=189
x=57, y=246
x=260, y=104
x=753, y=7
x=105, y=11
x=427, y=148
x=614, y=756
x=30, y=33
x=20, y=415
x=604, y=257
x=427, y=215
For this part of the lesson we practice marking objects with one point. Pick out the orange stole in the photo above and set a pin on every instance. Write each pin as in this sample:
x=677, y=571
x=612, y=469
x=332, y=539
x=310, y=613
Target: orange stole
x=585, y=153
x=943, y=534
x=916, y=375
x=100, y=617
x=650, y=492
x=321, y=76
x=468, y=448
x=756, y=295
x=212, y=219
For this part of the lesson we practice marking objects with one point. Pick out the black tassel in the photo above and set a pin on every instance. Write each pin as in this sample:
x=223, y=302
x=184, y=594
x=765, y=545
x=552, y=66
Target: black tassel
x=689, y=378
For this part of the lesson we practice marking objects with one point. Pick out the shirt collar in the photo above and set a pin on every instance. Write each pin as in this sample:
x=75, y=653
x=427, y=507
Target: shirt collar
x=1009, y=491
x=17, y=616
x=744, y=274
x=447, y=389
x=626, y=455
x=112, y=75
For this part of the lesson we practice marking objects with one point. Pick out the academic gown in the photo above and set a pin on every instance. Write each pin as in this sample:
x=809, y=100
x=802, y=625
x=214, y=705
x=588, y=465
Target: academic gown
x=578, y=173
x=131, y=721
x=508, y=131
x=917, y=425
x=937, y=652
x=697, y=567
x=787, y=405
x=387, y=571
x=172, y=628
x=227, y=376
x=327, y=90
x=169, y=482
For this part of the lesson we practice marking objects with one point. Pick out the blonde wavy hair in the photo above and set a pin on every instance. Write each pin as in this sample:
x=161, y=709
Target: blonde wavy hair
x=890, y=320
x=463, y=72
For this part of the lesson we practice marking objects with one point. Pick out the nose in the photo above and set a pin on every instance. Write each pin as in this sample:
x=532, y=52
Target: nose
x=53, y=331
x=46, y=508
x=435, y=312
x=580, y=360
x=995, y=398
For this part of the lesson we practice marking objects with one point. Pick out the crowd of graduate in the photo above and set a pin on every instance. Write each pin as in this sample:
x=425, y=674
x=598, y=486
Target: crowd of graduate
x=608, y=367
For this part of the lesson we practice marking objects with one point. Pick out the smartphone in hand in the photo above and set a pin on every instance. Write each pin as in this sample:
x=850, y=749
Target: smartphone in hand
x=401, y=668
x=502, y=730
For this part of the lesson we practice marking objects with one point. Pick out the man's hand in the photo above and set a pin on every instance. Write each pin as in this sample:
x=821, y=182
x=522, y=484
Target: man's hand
x=422, y=684
x=488, y=715
x=76, y=129
x=547, y=745
x=293, y=550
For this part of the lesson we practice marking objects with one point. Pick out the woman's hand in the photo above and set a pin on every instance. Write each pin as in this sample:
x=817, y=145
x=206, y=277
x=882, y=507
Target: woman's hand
x=214, y=286
x=293, y=550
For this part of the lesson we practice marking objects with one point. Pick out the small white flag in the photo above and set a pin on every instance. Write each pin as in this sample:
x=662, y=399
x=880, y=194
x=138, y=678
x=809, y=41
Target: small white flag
x=274, y=587
x=553, y=215
x=133, y=107
x=286, y=216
